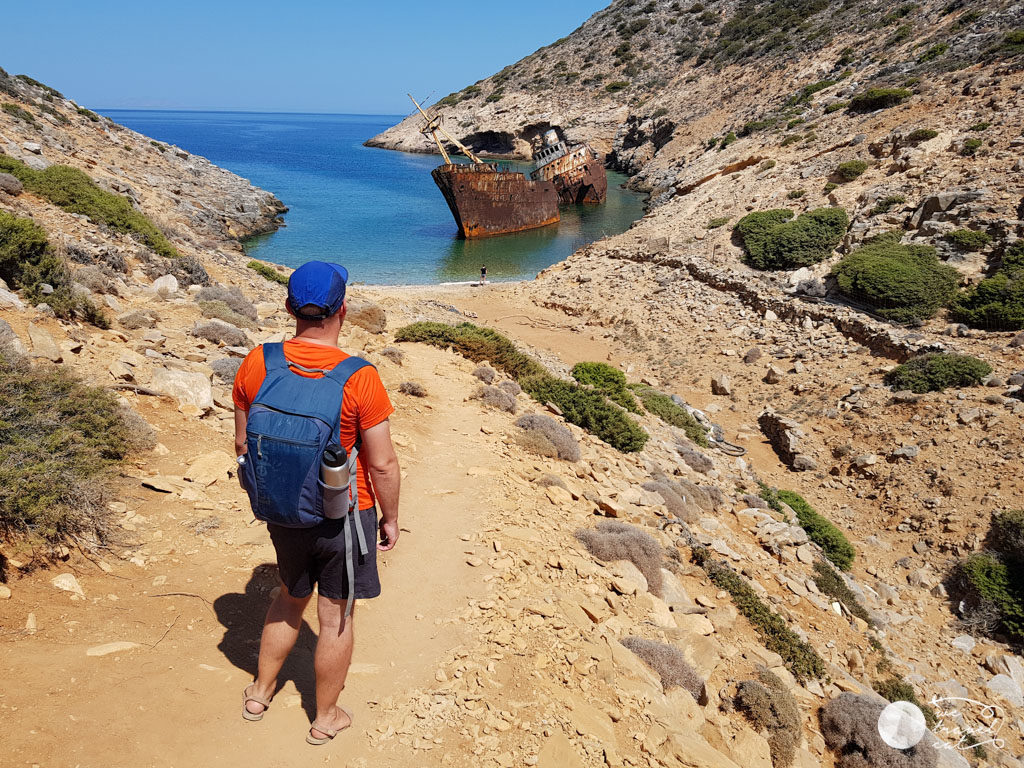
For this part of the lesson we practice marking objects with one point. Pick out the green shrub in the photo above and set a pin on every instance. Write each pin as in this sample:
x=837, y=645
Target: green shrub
x=902, y=283
x=583, y=407
x=496, y=95
x=831, y=583
x=933, y=53
x=617, y=85
x=718, y=221
x=937, y=371
x=997, y=302
x=728, y=139
x=968, y=239
x=72, y=190
x=985, y=585
x=767, y=165
x=878, y=98
x=820, y=530
x=886, y=204
x=790, y=140
x=801, y=659
x=796, y=194
x=771, y=241
x=835, y=106
x=921, y=134
x=898, y=689
x=27, y=262
x=609, y=381
x=662, y=406
x=268, y=272
x=771, y=708
x=983, y=126
x=970, y=147
x=19, y=112
x=58, y=439
x=1013, y=43
x=88, y=113
x=851, y=169
x=1006, y=535
x=829, y=186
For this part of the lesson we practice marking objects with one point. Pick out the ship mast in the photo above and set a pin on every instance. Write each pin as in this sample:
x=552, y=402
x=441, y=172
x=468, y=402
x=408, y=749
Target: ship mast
x=433, y=126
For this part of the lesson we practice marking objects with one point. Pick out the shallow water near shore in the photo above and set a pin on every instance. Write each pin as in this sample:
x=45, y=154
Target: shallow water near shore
x=377, y=212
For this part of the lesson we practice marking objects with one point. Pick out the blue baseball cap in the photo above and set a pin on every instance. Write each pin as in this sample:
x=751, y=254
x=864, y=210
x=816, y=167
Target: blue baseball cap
x=319, y=284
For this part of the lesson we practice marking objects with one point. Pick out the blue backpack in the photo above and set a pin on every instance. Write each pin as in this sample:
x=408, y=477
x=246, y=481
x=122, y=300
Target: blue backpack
x=291, y=421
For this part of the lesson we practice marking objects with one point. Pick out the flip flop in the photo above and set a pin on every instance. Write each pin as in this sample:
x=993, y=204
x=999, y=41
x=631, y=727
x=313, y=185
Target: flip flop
x=331, y=732
x=246, y=698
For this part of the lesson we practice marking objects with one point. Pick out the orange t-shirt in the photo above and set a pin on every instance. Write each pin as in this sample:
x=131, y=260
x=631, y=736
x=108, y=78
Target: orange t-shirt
x=366, y=402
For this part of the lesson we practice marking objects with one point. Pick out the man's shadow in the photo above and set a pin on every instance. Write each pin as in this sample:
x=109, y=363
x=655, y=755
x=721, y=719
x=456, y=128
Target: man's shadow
x=242, y=615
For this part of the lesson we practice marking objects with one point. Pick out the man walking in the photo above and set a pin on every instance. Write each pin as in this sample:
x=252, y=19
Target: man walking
x=318, y=555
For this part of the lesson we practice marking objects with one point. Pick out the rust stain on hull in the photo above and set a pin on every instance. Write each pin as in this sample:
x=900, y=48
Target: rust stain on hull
x=579, y=176
x=486, y=201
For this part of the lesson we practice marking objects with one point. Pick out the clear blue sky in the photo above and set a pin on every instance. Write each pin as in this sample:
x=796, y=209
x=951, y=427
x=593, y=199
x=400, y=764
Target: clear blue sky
x=301, y=56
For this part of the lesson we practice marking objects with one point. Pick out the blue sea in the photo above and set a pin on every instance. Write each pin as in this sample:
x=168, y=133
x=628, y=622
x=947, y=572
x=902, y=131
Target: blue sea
x=376, y=211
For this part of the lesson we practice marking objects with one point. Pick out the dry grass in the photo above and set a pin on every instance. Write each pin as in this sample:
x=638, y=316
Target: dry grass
x=232, y=297
x=536, y=442
x=144, y=318
x=770, y=707
x=93, y=278
x=673, y=501
x=510, y=386
x=219, y=332
x=669, y=662
x=496, y=398
x=218, y=310
x=547, y=480
x=485, y=373
x=412, y=388
x=612, y=541
x=849, y=724
x=696, y=460
x=394, y=354
x=558, y=435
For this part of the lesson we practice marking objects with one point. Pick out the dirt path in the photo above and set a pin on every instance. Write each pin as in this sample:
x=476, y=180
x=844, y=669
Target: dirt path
x=173, y=700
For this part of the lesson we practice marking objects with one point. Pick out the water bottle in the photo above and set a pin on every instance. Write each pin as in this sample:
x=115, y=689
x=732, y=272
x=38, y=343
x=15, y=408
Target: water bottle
x=334, y=467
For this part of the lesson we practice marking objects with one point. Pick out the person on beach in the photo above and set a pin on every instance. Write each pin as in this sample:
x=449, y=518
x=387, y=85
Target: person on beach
x=316, y=556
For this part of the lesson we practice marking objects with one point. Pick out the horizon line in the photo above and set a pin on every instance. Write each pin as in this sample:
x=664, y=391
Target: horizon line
x=243, y=111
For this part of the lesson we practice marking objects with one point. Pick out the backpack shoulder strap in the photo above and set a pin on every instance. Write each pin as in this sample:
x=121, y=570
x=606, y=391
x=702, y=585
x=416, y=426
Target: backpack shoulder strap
x=344, y=370
x=273, y=356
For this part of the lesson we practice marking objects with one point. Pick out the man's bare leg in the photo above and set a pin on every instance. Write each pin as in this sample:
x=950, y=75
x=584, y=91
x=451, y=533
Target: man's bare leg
x=280, y=631
x=333, y=656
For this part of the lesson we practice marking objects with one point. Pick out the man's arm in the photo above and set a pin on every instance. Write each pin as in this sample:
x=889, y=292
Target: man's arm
x=379, y=454
x=241, y=418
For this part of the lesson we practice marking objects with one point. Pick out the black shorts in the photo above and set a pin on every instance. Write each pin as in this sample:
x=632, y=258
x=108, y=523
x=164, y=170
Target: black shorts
x=308, y=556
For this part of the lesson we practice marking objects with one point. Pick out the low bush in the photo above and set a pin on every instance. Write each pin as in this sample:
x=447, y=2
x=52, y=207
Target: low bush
x=800, y=658
x=898, y=689
x=718, y=221
x=1006, y=535
x=982, y=126
x=548, y=481
x=878, y=98
x=835, y=106
x=662, y=406
x=796, y=194
x=771, y=241
x=485, y=373
x=558, y=435
x=496, y=398
x=225, y=368
x=393, y=354
x=585, y=408
x=611, y=541
x=267, y=271
x=832, y=584
x=851, y=169
x=510, y=386
x=970, y=147
x=609, y=381
x=232, y=297
x=771, y=708
x=849, y=725
x=1013, y=43
x=902, y=283
x=59, y=439
x=218, y=310
x=988, y=588
x=937, y=50
x=767, y=165
x=997, y=302
x=669, y=662
x=921, y=134
x=219, y=332
x=616, y=85
x=674, y=502
x=886, y=204
x=536, y=442
x=820, y=529
x=412, y=388
x=72, y=190
x=19, y=112
x=728, y=139
x=937, y=371
x=88, y=113
x=27, y=262
x=968, y=240
x=694, y=459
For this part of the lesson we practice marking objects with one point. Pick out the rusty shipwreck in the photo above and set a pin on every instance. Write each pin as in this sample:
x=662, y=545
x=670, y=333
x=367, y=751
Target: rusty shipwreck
x=487, y=200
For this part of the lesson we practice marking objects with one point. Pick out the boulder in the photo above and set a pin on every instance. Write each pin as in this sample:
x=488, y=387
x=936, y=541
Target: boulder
x=1007, y=687
x=10, y=300
x=9, y=339
x=785, y=437
x=721, y=385
x=34, y=147
x=10, y=184
x=210, y=467
x=366, y=315
x=186, y=387
x=166, y=285
x=43, y=344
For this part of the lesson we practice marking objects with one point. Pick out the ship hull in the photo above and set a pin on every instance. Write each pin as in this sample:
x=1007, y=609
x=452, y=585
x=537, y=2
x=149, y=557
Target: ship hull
x=578, y=175
x=486, y=202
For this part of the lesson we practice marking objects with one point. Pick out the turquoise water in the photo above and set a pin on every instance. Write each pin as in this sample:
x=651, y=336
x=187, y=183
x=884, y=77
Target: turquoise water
x=375, y=211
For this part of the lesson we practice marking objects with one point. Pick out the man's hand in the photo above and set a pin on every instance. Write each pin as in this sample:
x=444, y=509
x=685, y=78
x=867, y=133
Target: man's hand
x=388, y=535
